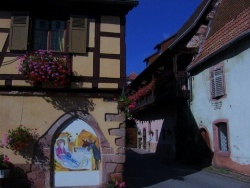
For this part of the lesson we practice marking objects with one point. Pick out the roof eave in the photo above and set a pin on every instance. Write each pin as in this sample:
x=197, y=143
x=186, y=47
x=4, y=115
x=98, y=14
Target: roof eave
x=191, y=26
x=232, y=42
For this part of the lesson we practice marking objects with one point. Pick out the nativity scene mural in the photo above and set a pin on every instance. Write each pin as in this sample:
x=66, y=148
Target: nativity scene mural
x=77, y=149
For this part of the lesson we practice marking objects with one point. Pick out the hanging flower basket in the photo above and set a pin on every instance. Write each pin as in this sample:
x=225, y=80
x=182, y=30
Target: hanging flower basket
x=21, y=140
x=43, y=66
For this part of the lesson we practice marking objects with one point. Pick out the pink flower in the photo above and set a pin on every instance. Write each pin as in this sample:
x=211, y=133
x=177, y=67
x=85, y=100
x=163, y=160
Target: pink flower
x=116, y=183
x=122, y=184
x=5, y=141
x=6, y=159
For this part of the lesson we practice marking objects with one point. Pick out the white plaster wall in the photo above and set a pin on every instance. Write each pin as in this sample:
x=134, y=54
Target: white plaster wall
x=155, y=125
x=234, y=107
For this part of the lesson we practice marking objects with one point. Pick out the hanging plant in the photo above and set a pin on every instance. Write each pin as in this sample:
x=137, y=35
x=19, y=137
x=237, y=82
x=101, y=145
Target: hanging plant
x=21, y=140
x=124, y=103
x=43, y=66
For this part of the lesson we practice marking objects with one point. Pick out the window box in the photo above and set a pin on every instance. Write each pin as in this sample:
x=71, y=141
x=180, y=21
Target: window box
x=45, y=67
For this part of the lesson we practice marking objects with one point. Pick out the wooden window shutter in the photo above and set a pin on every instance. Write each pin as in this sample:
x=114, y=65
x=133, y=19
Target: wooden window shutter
x=78, y=35
x=19, y=28
x=217, y=82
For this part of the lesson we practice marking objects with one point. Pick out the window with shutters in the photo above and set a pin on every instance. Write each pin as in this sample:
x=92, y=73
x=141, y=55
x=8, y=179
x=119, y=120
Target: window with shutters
x=60, y=35
x=217, y=82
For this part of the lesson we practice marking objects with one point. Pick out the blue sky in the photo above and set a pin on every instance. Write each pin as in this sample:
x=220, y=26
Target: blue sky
x=151, y=22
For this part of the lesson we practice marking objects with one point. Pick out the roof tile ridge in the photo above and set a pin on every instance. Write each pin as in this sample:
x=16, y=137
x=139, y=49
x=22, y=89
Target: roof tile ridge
x=210, y=39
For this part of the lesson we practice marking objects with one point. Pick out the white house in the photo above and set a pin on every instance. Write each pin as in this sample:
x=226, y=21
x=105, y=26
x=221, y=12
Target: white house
x=219, y=78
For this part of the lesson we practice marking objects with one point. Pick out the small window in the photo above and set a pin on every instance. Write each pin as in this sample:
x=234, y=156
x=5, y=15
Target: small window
x=217, y=82
x=223, y=136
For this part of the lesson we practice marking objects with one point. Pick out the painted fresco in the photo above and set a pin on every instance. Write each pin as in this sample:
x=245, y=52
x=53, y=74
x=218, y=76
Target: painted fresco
x=77, y=152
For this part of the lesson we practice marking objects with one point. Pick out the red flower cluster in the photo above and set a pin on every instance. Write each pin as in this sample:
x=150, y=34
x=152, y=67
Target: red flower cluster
x=116, y=182
x=43, y=66
x=143, y=91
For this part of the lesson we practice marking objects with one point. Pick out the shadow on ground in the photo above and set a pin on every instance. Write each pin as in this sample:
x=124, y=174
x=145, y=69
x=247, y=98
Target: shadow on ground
x=145, y=169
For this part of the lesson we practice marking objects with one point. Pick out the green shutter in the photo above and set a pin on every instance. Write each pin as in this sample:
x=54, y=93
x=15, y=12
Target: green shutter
x=78, y=35
x=19, y=33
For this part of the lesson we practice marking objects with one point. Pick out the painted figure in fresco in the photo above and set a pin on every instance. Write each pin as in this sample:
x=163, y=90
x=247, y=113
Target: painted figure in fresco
x=95, y=150
x=65, y=156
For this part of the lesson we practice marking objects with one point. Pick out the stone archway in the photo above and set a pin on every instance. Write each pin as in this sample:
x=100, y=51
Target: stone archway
x=44, y=163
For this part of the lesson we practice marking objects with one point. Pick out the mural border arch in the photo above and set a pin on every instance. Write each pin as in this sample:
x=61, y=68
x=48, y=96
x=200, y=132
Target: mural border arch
x=45, y=145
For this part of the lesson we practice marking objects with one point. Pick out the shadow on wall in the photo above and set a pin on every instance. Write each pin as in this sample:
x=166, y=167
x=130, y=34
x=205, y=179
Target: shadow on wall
x=71, y=103
x=20, y=178
x=190, y=146
x=181, y=141
x=131, y=133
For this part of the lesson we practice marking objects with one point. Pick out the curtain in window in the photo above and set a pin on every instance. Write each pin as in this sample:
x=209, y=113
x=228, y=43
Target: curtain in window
x=40, y=34
x=223, y=138
x=57, y=35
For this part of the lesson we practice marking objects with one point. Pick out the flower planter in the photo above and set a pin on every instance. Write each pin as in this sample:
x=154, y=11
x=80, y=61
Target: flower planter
x=44, y=66
x=4, y=173
x=52, y=85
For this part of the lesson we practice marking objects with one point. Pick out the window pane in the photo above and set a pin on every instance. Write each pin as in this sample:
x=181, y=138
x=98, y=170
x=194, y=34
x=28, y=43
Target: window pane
x=223, y=138
x=156, y=135
x=57, y=33
x=40, y=34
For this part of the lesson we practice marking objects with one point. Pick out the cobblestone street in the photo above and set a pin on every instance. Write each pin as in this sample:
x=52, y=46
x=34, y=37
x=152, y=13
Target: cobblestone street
x=143, y=169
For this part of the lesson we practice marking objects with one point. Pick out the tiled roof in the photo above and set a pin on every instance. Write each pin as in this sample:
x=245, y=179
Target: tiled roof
x=161, y=47
x=165, y=44
x=231, y=22
x=191, y=22
x=132, y=76
x=171, y=41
